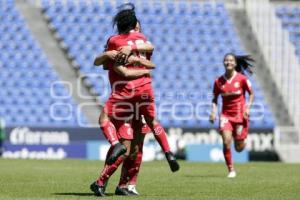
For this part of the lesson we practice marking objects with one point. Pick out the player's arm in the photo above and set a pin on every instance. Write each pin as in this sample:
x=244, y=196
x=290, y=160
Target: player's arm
x=141, y=47
x=248, y=88
x=130, y=73
x=141, y=61
x=125, y=51
x=105, y=56
x=214, y=109
x=214, y=106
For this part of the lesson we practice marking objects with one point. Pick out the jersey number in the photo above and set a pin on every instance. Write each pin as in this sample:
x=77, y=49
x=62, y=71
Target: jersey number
x=136, y=42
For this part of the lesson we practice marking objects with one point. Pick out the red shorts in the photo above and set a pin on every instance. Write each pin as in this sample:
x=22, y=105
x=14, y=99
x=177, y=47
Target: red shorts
x=123, y=129
x=239, y=129
x=131, y=103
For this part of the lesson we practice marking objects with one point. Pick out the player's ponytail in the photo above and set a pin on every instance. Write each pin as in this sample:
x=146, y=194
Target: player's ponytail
x=243, y=63
x=125, y=19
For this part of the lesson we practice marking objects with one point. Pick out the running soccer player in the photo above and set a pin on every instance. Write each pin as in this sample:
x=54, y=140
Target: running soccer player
x=234, y=118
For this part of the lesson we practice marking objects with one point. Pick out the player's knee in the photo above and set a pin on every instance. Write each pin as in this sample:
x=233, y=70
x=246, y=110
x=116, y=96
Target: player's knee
x=134, y=151
x=102, y=118
x=227, y=143
x=127, y=153
x=151, y=121
x=239, y=147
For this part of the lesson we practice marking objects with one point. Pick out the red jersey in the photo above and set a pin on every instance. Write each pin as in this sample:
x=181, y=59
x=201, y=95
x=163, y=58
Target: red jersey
x=233, y=95
x=117, y=81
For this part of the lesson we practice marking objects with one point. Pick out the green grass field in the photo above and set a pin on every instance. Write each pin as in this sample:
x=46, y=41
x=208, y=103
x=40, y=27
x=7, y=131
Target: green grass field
x=70, y=179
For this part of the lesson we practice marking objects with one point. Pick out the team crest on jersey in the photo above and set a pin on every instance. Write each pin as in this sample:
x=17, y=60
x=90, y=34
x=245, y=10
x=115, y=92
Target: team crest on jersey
x=236, y=84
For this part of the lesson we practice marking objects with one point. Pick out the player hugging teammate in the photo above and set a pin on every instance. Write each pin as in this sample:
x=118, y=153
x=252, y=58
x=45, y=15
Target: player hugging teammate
x=127, y=59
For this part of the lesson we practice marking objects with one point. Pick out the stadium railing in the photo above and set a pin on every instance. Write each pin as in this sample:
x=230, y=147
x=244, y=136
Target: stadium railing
x=282, y=60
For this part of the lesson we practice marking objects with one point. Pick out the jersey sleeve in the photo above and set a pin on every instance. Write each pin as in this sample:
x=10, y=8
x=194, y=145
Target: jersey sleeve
x=216, y=89
x=247, y=85
x=110, y=44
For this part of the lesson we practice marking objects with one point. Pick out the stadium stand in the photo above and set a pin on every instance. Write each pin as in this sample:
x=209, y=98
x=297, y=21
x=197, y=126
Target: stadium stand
x=30, y=93
x=191, y=39
x=290, y=18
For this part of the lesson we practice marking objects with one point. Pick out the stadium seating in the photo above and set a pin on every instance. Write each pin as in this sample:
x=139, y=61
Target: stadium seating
x=190, y=37
x=290, y=17
x=29, y=92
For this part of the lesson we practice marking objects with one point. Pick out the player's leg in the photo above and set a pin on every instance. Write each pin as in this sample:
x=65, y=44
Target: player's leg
x=226, y=129
x=98, y=187
x=109, y=130
x=239, y=145
x=135, y=168
x=147, y=109
x=161, y=137
x=227, y=139
x=131, y=165
x=240, y=135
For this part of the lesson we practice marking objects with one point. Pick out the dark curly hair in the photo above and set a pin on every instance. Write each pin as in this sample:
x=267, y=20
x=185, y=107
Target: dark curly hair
x=125, y=19
x=243, y=63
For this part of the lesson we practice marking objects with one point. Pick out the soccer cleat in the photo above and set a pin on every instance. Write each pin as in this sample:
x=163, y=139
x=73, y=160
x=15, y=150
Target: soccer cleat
x=98, y=190
x=232, y=174
x=119, y=149
x=123, y=192
x=132, y=188
x=174, y=166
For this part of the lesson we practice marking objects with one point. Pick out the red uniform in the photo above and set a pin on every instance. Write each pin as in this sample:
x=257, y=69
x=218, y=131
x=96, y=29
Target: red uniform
x=129, y=96
x=234, y=103
x=129, y=130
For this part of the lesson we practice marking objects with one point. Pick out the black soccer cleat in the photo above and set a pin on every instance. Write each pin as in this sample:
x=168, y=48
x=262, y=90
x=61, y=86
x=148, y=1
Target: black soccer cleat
x=123, y=192
x=119, y=149
x=98, y=190
x=174, y=166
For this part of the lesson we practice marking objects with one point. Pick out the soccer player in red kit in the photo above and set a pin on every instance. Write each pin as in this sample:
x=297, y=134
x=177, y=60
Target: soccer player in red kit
x=132, y=163
x=131, y=93
x=136, y=92
x=234, y=118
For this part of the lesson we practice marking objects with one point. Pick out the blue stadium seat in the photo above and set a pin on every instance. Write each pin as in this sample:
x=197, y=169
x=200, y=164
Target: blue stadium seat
x=26, y=75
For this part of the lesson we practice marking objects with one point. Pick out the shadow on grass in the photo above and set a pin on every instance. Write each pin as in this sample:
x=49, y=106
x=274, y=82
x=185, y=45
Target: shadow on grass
x=79, y=194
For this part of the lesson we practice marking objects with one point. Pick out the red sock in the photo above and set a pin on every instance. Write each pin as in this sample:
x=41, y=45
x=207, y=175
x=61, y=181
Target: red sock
x=108, y=170
x=161, y=137
x=228, y=158
x=124, y=172
x=133, y=173
x=109, y=132
x=130, y=170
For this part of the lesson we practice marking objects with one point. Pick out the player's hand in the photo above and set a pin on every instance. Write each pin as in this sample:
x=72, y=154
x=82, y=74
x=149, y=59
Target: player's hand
x=212, y=118
x=121, y=58
x=125, y=50
x=132, y=60
x=246, y=113
x=112, y=54
x=148, y=73
x=124, y=53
